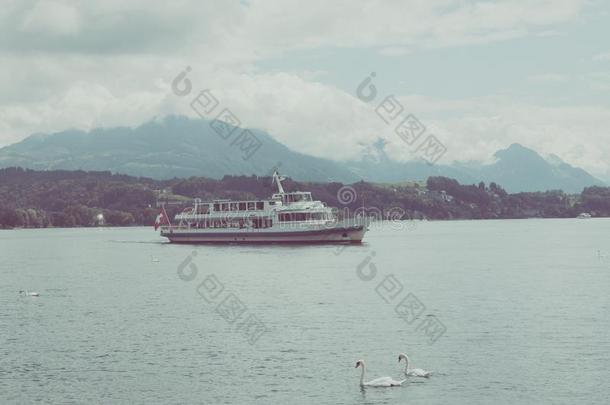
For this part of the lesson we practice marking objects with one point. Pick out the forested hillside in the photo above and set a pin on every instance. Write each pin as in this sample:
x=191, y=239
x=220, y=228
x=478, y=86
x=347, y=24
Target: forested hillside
x=61, y=198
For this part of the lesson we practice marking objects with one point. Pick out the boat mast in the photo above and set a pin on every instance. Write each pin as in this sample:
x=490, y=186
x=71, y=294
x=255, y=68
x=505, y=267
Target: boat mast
x=277, y=179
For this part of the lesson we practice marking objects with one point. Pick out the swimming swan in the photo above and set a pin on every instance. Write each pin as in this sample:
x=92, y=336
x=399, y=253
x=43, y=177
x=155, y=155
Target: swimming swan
x=413, y=372
x=378, y=382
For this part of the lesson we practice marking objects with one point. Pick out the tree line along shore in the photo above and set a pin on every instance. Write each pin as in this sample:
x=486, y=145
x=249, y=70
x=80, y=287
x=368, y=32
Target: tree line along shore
x=61, y=198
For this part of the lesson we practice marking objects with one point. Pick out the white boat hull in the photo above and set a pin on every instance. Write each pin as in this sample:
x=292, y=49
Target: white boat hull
x=335, y=234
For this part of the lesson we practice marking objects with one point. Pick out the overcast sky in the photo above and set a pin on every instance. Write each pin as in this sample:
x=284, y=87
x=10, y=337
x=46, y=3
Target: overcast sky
x=480, y=75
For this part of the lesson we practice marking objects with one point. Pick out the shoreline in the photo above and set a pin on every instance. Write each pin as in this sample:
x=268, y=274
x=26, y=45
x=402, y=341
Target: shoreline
x=384, y=220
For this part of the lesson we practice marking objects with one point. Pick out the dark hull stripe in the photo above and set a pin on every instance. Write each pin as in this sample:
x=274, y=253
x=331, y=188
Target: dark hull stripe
x=268, y=242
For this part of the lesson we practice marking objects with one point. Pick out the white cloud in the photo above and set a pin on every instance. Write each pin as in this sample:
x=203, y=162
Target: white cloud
x=111, y=63
x=262, y=28
x=479, y=127
x=51, y=18
x=327, y=122
x=308, y=117
x=271, y=26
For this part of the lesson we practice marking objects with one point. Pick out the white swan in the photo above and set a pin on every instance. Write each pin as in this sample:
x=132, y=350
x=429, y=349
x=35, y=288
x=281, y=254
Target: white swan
x=29, y=293
x=413, y=372
x=378, y=382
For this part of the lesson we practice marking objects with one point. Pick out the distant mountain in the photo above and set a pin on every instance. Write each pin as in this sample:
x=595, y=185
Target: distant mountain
x=518, y=168
x=182, y=147
x=172, y=147
x=376, y=166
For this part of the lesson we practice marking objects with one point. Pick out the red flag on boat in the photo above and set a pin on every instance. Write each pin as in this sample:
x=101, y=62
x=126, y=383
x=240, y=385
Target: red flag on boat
x=162, y=219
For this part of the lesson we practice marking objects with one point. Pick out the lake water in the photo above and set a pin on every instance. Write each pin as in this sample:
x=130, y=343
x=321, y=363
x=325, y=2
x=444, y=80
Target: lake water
x=523, y=304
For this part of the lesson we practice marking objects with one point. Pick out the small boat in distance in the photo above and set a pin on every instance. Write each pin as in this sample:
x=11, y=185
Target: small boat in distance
x=584, y=215
x=286, y=217
x=27, y=293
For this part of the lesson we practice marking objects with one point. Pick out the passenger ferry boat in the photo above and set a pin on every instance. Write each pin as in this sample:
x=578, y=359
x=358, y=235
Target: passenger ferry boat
x=285, y=217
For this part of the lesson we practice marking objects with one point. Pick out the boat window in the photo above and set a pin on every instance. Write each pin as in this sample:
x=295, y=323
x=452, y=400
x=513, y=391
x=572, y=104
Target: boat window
x=251, y=205
x=216, y=207
x=298, y=216
x=224, y=207
x=261, y=222
x=260, y=205
x=234, y=206
x=242, y=206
